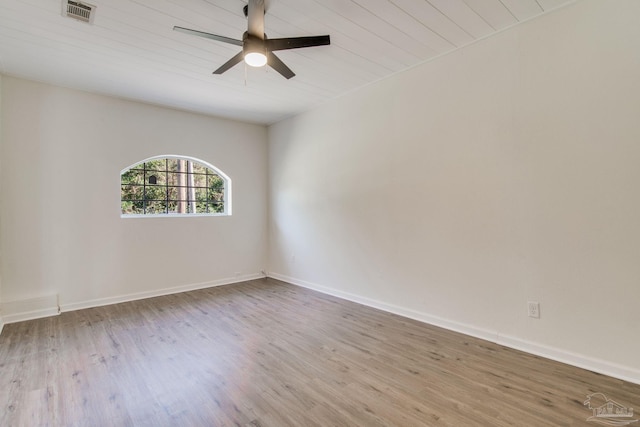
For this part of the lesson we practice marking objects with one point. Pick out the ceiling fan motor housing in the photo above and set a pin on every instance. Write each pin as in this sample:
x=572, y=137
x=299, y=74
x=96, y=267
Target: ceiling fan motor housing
x=253, y=45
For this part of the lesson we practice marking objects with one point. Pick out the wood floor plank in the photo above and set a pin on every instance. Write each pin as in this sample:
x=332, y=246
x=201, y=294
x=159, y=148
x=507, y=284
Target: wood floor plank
x=265, y=353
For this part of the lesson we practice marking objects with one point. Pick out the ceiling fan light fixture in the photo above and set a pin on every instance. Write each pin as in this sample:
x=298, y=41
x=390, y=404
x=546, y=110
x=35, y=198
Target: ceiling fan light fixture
x=255, y=59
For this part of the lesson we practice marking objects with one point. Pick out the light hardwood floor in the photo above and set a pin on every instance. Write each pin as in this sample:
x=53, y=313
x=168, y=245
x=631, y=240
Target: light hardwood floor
x=265, y=353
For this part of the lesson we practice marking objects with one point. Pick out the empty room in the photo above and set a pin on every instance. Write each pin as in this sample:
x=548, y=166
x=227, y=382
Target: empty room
x=319, y=213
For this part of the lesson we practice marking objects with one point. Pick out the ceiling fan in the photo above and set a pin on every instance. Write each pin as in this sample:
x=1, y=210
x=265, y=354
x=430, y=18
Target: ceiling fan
x=257, y=49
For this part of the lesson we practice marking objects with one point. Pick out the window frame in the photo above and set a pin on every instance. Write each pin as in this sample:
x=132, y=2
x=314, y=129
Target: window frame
x=227, y=194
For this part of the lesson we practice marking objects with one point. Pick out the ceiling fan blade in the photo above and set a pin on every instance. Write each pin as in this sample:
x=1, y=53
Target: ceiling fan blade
x=230, y=63
x=255, y=17
x=275, y=63
x=209, y=36
x=297, y=42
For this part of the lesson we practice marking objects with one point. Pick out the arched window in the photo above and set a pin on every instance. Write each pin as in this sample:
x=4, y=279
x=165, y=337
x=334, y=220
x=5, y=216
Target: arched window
x=174, y=185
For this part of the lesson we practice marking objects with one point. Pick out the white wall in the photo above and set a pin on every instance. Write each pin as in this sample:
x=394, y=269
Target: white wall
x=502, y=173
x=61, y=232
x=1, y=319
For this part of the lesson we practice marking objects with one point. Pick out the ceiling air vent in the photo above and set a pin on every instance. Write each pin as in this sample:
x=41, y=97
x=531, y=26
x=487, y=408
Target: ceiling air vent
x=78, y=10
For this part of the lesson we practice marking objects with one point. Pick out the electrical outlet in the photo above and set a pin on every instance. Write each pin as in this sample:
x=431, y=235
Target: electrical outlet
x=533, y=309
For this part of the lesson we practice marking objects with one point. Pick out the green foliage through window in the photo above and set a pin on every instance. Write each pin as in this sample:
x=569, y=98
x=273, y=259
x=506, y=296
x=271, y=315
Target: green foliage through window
x=172, y=186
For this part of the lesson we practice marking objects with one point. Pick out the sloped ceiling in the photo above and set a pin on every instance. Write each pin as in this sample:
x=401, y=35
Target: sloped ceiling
x=131, y=51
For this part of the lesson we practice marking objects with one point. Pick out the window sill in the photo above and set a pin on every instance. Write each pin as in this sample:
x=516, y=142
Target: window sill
x=126, y=216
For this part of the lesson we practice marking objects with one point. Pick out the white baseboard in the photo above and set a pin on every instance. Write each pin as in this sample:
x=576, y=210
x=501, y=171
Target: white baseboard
x=1, y=325
x=156, y=293
x=29, y=309
x=35, y=308
x=604, y=367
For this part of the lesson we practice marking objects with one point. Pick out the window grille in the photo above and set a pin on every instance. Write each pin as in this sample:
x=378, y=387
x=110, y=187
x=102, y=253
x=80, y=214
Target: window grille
x=173, y=186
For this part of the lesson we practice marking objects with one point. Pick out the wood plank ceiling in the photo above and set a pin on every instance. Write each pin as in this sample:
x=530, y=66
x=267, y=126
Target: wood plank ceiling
x=130, y=50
